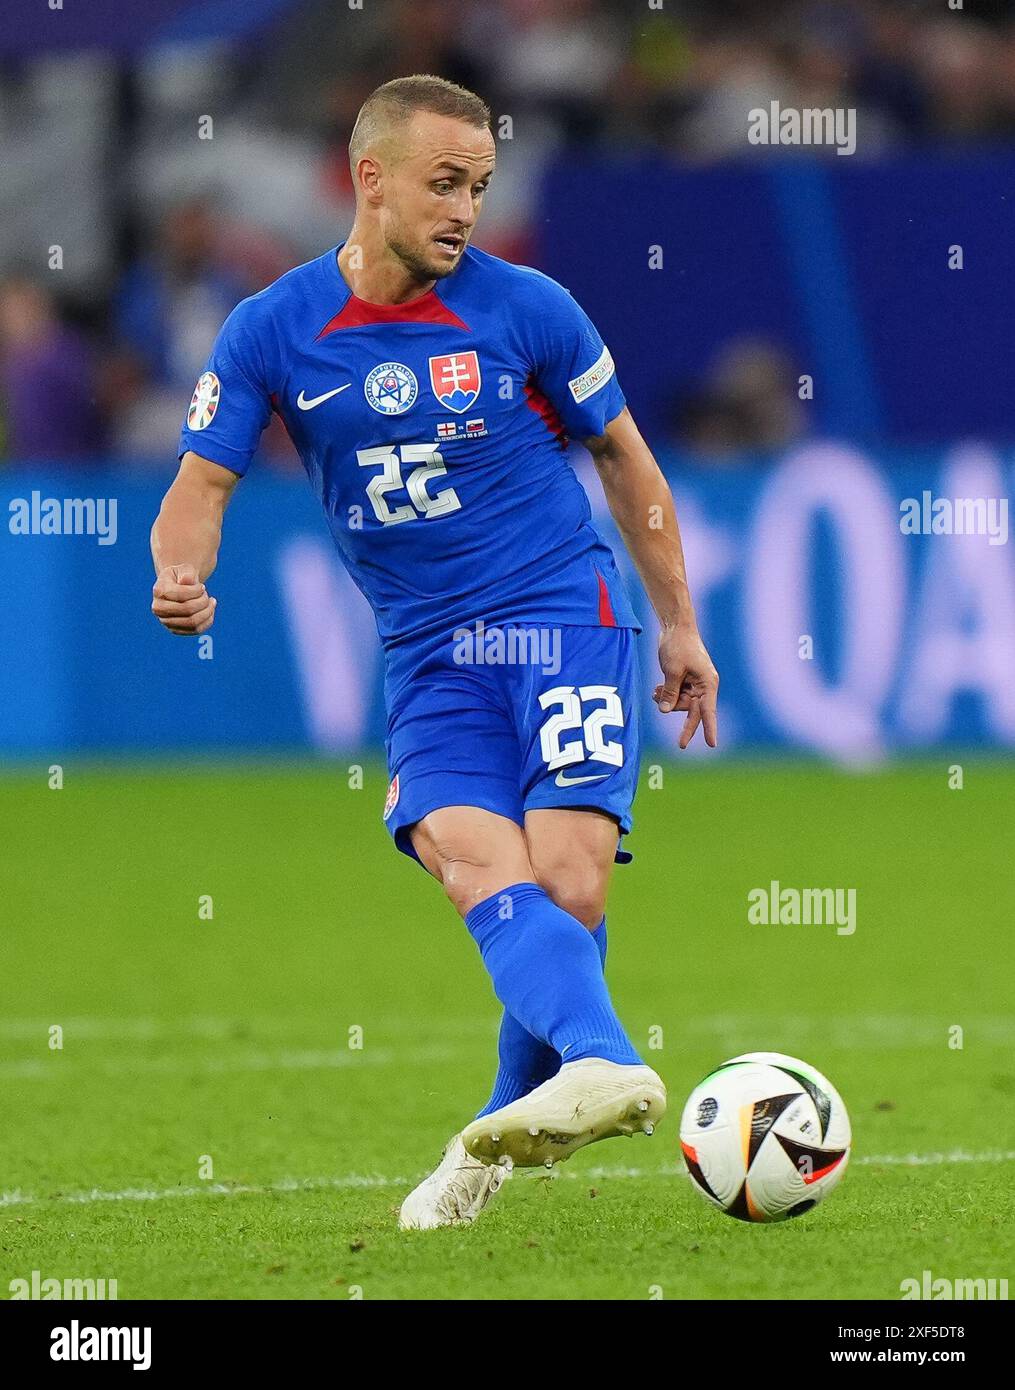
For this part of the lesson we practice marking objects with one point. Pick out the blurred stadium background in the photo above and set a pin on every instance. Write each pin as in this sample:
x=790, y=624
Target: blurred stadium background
x=721, y=273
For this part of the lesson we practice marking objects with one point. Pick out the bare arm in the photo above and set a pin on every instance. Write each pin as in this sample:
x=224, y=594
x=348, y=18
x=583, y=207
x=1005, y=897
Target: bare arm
x=642, y=506
x=185, y=544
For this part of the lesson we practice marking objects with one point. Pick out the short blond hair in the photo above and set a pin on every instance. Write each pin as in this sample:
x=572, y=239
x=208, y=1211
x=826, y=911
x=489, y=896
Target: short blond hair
x=394, y=103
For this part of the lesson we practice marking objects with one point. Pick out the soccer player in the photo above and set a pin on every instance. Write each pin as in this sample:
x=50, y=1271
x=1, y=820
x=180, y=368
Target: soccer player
x=430, y=389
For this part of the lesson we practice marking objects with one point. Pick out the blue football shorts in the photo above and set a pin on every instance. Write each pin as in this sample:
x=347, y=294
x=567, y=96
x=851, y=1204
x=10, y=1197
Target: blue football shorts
x=511, y=718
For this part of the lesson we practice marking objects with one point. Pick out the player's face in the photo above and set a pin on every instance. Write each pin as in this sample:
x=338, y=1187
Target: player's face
x=434, y=193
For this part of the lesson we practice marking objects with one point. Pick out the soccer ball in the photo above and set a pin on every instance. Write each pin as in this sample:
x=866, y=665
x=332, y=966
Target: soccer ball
x=765, y=1137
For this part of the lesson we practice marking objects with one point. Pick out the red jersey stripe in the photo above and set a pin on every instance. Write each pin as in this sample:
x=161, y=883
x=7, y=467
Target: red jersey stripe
x=606, y=616
x=427, y=308
x=536, y=400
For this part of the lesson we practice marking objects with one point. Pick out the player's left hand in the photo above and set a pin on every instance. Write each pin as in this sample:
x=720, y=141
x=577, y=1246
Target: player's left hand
x=690, y=682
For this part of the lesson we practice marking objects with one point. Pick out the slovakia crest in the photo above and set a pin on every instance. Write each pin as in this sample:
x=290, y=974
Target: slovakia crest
x=391, y=800
x=456, y=380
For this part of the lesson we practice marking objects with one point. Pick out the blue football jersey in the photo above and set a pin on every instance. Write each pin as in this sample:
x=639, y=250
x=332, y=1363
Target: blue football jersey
x=434, y=434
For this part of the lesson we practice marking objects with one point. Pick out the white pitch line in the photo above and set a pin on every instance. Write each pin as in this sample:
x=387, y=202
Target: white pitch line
x=210, y=1189
x=341, y=1058
x=848, y=1031
x=372, y=1180
x=935, y=1159
x=222, y=1029
x=852, y=1032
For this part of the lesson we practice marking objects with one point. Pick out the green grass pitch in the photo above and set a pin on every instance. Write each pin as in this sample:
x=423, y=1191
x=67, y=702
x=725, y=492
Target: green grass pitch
x=186, y=1038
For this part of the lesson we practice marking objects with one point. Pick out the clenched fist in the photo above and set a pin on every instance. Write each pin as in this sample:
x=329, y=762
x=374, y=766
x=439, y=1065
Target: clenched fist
x=181, y=602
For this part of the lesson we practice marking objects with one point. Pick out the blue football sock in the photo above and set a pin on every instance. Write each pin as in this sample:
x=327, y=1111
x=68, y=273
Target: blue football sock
x=547, y=972
x=599, y=937
x=526, y=1062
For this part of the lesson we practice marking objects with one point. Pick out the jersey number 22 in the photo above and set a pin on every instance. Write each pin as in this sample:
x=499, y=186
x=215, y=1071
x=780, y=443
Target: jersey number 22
x=429, y=464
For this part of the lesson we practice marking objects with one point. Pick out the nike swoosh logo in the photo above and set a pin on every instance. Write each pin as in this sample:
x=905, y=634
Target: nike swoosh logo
x=304, y=404
x=563, y=781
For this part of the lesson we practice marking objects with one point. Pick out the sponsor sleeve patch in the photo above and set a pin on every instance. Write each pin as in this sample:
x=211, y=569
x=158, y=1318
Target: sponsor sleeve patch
x=594, y=379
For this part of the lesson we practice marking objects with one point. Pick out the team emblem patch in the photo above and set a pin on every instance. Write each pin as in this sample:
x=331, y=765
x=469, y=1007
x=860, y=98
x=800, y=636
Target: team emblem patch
x=204, y=402
x=456, y=380
x=391, y=388
x=391, y=800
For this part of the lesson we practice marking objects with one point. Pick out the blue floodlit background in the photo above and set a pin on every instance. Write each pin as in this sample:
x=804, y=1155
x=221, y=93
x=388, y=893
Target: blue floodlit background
x=721, y=274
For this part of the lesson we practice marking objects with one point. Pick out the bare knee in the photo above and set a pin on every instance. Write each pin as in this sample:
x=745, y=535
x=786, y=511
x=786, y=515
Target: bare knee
x=572, y=856
x=475, y=854
x=466, y=877
x=576, y=882
x=577, y=894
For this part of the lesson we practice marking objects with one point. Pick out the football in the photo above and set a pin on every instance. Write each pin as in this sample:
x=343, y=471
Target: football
x=765, y=1137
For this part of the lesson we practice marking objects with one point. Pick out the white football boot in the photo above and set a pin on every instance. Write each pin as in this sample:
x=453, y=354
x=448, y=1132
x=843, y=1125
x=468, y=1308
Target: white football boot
x=455, y=1192
x=587, y=1100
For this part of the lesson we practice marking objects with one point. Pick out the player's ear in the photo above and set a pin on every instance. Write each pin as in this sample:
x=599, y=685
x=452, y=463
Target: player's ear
x=369, y=178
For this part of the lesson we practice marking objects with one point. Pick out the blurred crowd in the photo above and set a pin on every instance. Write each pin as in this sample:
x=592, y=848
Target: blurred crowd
x=125, y=239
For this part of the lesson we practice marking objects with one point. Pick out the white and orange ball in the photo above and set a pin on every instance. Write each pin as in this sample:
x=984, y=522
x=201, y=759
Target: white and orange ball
x=765, y=1137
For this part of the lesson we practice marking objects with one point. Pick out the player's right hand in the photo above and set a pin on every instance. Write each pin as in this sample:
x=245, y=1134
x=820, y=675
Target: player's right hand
x=181, y=602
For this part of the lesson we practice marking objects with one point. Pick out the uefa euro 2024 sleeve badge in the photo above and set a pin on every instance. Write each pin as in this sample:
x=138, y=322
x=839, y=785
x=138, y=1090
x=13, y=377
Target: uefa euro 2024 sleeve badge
x=204, y=402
